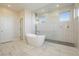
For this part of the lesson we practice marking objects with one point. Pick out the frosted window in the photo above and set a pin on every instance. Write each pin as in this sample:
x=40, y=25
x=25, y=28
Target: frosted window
x=64, y=16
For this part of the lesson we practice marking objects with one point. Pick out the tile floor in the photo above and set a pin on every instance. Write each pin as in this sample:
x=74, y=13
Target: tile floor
x=21, y=48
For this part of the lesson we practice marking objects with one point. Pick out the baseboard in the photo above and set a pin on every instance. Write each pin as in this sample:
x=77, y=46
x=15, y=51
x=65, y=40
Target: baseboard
x=60, y=42
x=14, y=39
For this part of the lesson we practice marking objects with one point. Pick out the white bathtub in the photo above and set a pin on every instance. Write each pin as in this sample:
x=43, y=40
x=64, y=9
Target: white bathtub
x=35, y=40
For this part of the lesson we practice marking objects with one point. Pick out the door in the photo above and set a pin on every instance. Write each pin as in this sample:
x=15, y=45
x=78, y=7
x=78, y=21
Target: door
x=66, y=26
x=7, y=27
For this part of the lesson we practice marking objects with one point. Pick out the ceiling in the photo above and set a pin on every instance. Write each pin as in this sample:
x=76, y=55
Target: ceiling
x=35, y=7
x=21, y=6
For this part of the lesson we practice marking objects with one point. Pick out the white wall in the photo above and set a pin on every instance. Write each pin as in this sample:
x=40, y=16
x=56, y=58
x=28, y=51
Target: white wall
x=29, y=22
x=8, y=25
x=56, y=30
x=77, y=25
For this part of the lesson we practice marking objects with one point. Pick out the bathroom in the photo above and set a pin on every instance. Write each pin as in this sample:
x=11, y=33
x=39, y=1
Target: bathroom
x=56, y=24
x=30, y=27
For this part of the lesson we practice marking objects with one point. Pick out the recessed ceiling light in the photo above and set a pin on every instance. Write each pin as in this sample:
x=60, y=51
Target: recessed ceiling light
x=9, y=5
x=57, y=5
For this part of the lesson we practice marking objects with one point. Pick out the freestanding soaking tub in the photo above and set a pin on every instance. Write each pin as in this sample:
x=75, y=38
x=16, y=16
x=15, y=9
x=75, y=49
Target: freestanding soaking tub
x=35, y=40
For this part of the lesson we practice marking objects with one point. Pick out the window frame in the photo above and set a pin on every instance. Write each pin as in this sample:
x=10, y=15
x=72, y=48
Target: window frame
x=64, y=12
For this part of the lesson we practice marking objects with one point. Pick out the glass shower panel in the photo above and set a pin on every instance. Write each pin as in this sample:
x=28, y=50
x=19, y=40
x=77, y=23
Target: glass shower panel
x=56, y=26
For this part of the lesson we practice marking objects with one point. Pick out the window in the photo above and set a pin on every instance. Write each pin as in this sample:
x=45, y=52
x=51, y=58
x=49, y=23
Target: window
x=64, y=16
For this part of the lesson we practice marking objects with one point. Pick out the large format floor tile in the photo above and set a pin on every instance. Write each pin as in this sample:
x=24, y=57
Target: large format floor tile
x=21, y=48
